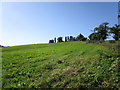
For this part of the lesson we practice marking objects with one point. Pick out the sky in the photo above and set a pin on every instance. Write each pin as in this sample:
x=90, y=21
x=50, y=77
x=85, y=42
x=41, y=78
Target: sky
x=59, y=0
x=38, y=22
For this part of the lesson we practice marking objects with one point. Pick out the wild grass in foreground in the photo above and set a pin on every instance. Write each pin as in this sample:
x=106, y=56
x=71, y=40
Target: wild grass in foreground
x=68, y=64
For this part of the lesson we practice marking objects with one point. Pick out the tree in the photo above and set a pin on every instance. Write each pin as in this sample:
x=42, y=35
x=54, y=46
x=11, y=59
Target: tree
x=116, y=31
x=59, y=39
x=74, y=39
x=102, y=30
x=94, y=36
x=66, y=39
x=84, y=39
x=51, y=41
x=55, y=40
x=1, y=46
x=71, y=38
x=118, y=16
x=80, y=37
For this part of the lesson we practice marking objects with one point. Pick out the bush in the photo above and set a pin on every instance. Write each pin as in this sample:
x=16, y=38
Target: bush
x=111, y=41
x=101, y=41
x=51, y=41
x=91, y=41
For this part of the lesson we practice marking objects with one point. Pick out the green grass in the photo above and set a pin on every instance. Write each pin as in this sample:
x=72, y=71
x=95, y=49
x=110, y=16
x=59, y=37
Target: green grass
x=67, y=64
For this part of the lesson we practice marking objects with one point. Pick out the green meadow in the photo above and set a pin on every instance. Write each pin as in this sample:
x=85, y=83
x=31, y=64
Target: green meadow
x=61, y=65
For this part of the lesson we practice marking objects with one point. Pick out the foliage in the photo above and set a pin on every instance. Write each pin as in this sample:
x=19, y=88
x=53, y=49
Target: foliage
x=1, y=46
x=102, y=31
x=111, y=41
x=118, y=16
x=116, y=31
x=59, y=39
x=66, y=39
x=80, y=37
x=55, y=39
x=71, y=38
x=51, y=41
x=94, y=36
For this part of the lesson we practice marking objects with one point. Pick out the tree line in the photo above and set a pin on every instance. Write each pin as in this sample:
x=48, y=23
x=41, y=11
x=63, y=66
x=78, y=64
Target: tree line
x=80, y=37
x=100, y=33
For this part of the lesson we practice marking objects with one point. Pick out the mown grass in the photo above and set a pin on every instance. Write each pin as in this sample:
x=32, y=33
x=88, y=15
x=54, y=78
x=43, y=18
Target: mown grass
x=67, y=64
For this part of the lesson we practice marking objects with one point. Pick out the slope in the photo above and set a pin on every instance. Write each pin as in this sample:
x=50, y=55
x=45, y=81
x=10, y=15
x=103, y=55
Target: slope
x=68, y=64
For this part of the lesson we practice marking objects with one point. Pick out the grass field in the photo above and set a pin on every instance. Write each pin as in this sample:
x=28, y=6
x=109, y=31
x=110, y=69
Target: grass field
x=68, y=64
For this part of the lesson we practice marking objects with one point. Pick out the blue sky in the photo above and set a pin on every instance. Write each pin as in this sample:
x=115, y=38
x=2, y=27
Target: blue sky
x=38, y=22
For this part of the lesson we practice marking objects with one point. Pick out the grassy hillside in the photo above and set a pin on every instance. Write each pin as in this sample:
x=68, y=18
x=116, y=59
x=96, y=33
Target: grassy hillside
x=67, y=64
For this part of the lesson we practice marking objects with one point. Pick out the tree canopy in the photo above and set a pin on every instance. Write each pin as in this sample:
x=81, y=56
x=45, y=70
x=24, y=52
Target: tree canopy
x=116, y=31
